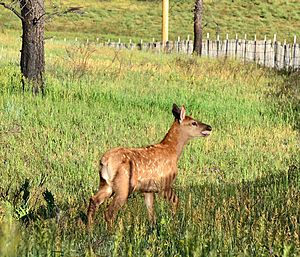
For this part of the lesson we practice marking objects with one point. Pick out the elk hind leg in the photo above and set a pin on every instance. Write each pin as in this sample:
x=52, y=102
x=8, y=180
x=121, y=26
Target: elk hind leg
x=121, y=188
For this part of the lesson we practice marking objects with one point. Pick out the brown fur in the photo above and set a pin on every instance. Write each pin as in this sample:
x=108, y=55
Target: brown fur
x=148, y=170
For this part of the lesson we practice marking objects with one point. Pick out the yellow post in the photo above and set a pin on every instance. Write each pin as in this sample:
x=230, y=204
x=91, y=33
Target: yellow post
x=165, y=25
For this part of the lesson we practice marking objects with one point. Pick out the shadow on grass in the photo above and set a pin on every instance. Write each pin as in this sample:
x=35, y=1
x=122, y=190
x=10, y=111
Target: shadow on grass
x=261, y=195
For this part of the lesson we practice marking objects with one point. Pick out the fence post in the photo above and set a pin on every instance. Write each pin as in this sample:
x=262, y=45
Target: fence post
x=236, y=45
x=167, y=47
x=178, y=44
x=218, y=42
x=207, y=42
x=226, y=46
x=284, y=54
x=265, y=49
x=294, y=52
x=141, y=44
x=188, y=44
x=275, y=51
x=254, y=57
x=245, y=48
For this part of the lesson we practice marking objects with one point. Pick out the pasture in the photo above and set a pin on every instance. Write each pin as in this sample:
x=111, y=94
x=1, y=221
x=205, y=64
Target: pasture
x=239, y=188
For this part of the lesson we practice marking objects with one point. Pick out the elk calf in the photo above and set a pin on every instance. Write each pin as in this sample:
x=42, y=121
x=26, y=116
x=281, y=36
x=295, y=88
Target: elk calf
x=148, y=170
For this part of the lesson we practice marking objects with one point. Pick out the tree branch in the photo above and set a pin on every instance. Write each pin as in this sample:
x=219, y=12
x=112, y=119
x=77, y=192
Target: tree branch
x=9, y=7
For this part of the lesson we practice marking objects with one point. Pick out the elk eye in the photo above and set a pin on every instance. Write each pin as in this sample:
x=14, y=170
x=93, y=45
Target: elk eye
x=194, y=123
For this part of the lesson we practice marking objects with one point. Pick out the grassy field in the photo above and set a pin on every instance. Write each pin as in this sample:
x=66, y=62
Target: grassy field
x=134, y=19
x=239, y=188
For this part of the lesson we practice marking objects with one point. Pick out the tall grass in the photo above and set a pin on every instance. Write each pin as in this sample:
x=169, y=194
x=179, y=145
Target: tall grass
x=239, y=188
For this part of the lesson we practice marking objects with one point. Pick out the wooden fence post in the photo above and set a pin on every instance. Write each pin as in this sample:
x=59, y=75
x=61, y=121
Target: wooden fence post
x=207, y=42
x=275, y=51
x=265, y=50
x=245, y=48
x=294, y=52
x=226, y=46
x=254, y=56
x=178, y=44
x=188, y=44
x=284, y=55
x=218, y=42
x=236, y=45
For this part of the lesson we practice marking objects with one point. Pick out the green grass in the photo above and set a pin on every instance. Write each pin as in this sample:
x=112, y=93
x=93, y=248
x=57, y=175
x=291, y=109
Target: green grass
x=239, y=188
x=142, y=19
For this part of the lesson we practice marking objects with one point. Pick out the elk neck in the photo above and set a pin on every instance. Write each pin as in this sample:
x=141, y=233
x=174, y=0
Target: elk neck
x=175, y=138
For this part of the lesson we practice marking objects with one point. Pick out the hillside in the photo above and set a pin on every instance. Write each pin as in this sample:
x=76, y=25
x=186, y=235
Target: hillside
x=142, y=19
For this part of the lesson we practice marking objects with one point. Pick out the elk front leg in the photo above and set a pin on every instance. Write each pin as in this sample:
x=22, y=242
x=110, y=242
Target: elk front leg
x=172, y=198
x=104, y=192
x=149, y=201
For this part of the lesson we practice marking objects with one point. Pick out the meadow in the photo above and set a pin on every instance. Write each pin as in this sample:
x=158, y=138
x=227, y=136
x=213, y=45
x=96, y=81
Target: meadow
x=239, y=188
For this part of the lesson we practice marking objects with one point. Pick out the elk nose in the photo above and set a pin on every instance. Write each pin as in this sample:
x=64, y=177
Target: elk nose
x=209, y=128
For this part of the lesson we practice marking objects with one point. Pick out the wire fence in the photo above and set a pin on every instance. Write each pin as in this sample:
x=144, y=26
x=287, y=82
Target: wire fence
x=268, y=53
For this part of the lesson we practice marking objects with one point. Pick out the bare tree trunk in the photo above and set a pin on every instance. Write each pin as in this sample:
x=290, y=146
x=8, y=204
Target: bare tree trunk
x=32, y=53
x=198, y=27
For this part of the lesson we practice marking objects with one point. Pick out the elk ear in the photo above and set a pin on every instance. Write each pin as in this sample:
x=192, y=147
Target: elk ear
x=182, y=113
x=179, y=114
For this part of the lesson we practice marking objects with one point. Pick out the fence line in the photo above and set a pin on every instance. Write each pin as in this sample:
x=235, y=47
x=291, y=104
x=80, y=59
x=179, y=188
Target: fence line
x=269, y=53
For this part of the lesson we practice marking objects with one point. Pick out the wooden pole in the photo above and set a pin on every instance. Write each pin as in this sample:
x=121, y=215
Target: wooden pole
x=218, y=44
x=284, y=54
x=275, y=51
x=245, y=48
x=254, y=55
x=294, y=51
x=207, y=42
x=226, y=46
x=265, y=50
x=236, y=45
x=165, y=25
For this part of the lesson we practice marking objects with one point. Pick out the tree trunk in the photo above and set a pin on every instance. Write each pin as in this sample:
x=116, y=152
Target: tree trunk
x=32, y=54
x=198, y=27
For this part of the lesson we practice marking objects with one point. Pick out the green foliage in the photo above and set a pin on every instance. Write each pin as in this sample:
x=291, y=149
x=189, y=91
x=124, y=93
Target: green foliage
x=239, y=188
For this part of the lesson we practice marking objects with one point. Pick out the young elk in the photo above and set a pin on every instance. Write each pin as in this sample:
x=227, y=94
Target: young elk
x=148, y=170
